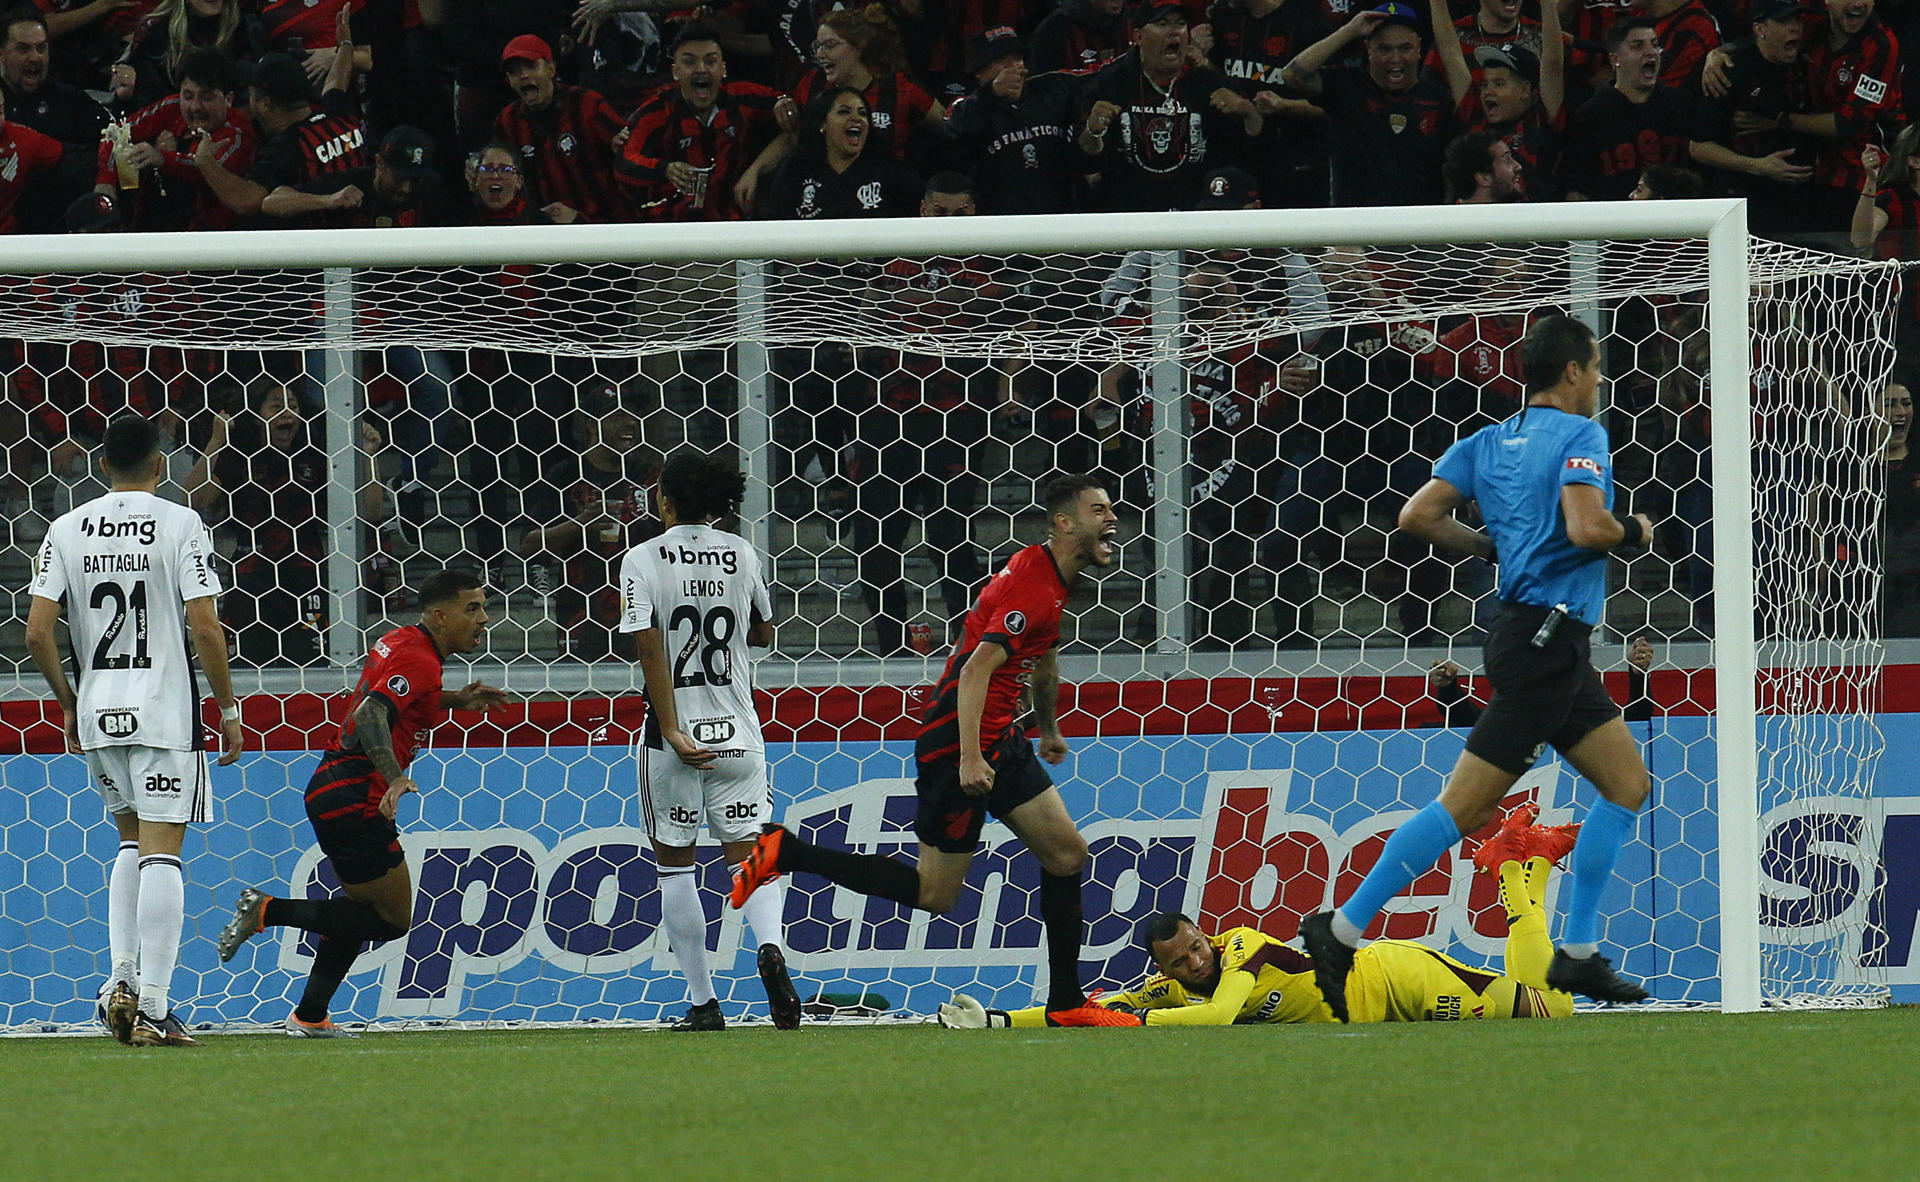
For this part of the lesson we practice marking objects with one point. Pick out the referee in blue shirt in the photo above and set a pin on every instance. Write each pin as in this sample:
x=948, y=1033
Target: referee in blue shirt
x=1544, y=482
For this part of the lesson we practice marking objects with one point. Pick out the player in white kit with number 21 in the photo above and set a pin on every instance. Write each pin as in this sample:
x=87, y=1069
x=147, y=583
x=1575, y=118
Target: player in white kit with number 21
x=134, y=575
x=695, y=597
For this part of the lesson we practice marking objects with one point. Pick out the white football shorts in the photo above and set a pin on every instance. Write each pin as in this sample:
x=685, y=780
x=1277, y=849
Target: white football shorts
x=731, y=794
x=153, y=783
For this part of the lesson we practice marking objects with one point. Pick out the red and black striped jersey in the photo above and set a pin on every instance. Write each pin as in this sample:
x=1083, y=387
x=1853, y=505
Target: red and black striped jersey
x=116, y=26
x=332, y=139
x=566, y=152
x=234, y=147
x=1687, y=35
x=1019, y=610
x=1860, y=84
x=403, y=670
x=309, y=20
x=895, y=107
x=666, y=130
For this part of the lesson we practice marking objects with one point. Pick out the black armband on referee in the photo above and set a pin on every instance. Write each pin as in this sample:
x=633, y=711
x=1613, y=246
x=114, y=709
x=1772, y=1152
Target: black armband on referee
x=1633, y=532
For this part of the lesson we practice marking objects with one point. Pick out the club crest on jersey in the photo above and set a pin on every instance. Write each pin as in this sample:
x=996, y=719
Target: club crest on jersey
x=1583, y=464
x=1396, y=123
x=399, y=685
x=1016, y=623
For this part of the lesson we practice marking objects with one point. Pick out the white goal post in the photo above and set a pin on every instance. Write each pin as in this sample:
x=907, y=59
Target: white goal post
x=1590, y=257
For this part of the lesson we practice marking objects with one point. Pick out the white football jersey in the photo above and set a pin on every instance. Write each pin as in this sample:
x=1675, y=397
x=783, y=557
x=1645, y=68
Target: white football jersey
x=703, y=588
x=123, y=566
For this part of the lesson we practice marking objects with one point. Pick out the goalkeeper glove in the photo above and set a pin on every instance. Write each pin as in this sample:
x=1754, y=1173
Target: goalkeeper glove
x=964, y=1013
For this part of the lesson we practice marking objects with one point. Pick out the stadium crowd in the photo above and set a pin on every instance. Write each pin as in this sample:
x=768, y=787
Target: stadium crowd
x=240, y=114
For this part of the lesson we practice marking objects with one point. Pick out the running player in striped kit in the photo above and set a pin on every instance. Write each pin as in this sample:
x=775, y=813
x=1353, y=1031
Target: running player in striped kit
x=134, y=573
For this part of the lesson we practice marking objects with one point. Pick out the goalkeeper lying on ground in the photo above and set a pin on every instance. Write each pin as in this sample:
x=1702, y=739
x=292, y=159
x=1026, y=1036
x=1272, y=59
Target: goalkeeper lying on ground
x=1245, y=976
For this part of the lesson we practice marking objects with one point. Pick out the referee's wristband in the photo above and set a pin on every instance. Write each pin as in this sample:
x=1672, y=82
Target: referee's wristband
x=1634, y=533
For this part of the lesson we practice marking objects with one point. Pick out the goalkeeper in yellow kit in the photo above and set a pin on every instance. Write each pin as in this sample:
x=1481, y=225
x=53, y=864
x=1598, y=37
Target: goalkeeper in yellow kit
x=1246, y=976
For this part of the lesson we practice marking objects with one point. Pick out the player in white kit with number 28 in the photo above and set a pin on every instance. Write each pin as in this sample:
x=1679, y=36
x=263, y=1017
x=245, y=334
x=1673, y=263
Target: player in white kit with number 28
x=133, y=572
x=695, y=597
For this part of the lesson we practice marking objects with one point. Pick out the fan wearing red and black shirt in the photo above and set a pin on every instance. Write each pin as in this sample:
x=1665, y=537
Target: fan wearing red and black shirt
x=564, y=135
x=1688, y=33
x=1630, y=126
x=1515, y=94
x=689, y=145
x=24, y=153
x=1253, y=40
x=166, y=138
x=354, y=794
x=974, y=757
x=1854, y=82
x=399, y=190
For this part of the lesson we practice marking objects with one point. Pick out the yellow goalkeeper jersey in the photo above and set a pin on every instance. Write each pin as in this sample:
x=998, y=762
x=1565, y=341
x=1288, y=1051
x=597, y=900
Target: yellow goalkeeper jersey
x=1261, y=980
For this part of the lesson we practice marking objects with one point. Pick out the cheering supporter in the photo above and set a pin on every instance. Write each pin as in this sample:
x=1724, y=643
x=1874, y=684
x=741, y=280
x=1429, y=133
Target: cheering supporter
x=564, y=135
x=1516, y=95
x=90, y=34
x=61, y=112
x=309, y=31
x=1481, y=169
x=1078, y=35
x=24, y=154
x=1686, y=32
x=832, y=175
x=1636, y=123
x=1014, y=133
x=1900, y=592
x=1886, y=222
x=860, y=50
x=147, y=71
x=1158, y=123
x=165, y=142
x=1853, y=69
x=1495, y=24
x=475, y=34
x=1371, y=107
x=299, y=144
x=1253, y=40
x=690, y=146
x=398, y=189
x=944, y=60
x=1748, y=137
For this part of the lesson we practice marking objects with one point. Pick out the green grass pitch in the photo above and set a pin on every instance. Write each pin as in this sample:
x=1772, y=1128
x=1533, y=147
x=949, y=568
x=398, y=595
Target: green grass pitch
x=1682, y=1096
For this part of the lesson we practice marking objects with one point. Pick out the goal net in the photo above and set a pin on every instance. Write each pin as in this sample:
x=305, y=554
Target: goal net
x=1266, y=684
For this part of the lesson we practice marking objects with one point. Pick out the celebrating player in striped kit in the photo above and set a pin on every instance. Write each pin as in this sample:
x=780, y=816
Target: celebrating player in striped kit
x=135, y=573
x=694, y=598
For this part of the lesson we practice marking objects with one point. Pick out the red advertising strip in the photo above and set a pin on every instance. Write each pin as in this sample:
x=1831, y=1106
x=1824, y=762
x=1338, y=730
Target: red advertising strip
x=1186, y=706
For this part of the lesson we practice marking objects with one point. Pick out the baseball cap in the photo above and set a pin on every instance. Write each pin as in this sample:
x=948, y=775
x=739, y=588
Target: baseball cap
x=1228, y=188
x=1517, y=58
x=408, y=151
x=526, y=47
x=1778, y=10
x=989, y=47
x=277, y=76
x=1149, y=12
x=1398, y=12
x=93, y=213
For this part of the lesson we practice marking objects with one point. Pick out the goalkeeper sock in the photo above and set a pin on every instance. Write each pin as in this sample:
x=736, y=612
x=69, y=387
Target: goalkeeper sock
x=685, y=922
x=332, y=961
x=1528, y=949
x=765, y=914
x=870, y=874
x=1538, y=869
x=123, y=911
x=343, y=919
x=1060, y=912
x=161, y=908
x=1410, y=852
x=1606, y=828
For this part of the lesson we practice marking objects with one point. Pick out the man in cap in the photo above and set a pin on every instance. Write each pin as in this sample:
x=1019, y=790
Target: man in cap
x=1015, y=132
x=1512, y=91
x=563, y=134
x=398, y=190
x=1385, y=122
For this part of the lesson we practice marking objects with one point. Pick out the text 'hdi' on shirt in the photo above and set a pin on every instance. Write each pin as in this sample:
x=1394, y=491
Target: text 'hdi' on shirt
x=1515, y=469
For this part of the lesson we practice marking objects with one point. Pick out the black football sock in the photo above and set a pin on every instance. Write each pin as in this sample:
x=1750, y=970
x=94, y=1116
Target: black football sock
x=1060, y=912
x=870, y=874
x=332, y=961
x=344, y=919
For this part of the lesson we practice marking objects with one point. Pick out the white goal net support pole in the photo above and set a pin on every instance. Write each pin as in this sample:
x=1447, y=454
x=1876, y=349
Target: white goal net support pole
x=1247, y=693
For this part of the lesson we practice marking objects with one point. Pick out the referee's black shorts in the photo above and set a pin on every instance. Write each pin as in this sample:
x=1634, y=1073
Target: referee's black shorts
x=1542, y=697
x=950, y=820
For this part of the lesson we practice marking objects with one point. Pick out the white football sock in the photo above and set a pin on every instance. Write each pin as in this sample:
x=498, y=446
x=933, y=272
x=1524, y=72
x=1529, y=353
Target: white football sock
x=764, y=911
x=162, y=904
x=123, y=912
x=686, y=923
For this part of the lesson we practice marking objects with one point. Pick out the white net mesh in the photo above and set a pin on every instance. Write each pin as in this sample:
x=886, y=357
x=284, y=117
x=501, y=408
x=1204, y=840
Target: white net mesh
x=1247, y=694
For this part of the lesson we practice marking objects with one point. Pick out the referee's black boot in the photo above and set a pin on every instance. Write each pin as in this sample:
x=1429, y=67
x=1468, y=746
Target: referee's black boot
x=1332, y=960
x=1591, y=976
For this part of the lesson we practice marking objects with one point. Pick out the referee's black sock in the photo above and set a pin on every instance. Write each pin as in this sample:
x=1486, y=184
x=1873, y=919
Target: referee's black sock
x=870, y=874
x=332, y=961
x=1060, y=912
x=343, y=919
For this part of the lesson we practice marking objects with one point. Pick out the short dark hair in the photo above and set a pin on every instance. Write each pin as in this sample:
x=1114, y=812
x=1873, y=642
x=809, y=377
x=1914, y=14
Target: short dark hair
x=21, y=14
x=208, y=67
x=702, y=487
x=1620, y=30
x=1062, y=491
x=949, y=183
x=1466, y=157
x=1671, y=182
x=1161, y=925
x=446, y=585
x=131, y=440
x=1553, y=343
x=690, y=33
